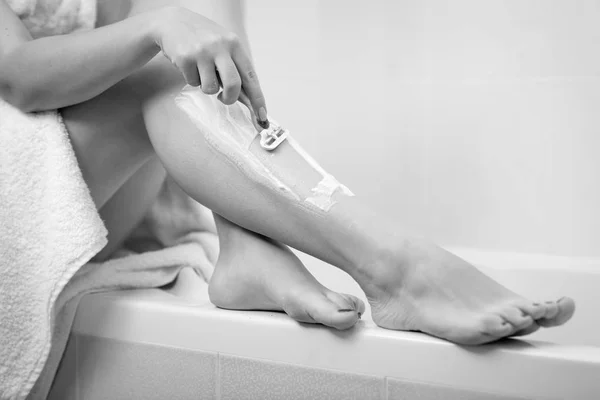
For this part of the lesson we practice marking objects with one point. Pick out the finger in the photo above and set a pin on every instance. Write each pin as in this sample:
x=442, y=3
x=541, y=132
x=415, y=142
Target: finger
x=190, y=73
x=251, y=85
x=232, y=84
x=208, y=78
x=246, y=101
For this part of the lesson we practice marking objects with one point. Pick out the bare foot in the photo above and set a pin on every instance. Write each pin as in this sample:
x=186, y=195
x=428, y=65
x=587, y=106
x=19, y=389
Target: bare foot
x=256, y=273
x=430, y=290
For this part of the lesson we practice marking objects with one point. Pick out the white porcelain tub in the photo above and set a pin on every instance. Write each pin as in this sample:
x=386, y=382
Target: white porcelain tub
x=173, y=344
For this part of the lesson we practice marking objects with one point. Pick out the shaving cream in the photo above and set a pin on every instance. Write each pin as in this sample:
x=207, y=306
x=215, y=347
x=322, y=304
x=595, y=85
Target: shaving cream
x=229, y=131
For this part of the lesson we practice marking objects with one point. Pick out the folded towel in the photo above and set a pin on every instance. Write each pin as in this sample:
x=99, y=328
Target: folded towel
x=55, y=17
x=184, y=232
x=50, y=229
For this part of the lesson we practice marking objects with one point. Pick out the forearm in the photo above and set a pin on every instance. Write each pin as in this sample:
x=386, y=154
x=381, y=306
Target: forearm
x=58, y=71
x=233, y=18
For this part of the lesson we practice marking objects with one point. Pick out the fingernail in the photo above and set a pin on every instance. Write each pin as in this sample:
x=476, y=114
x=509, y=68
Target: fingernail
x=263, y=124
x=345, y=310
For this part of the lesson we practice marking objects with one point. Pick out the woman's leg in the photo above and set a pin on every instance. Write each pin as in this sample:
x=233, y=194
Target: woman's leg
x=124, y=175
x=411, y=283
x=244, y=279
x=109, y=138
x=126, y=209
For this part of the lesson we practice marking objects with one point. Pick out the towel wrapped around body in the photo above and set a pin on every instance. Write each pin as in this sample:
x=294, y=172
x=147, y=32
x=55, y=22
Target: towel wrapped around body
x=55, y=17
x=50, y=230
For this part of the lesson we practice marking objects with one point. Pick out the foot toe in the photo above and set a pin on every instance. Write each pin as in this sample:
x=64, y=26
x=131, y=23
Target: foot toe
x=344, y=301
x=534, y=310
x=334, y=317
x=356, y=304
x=332, y=309
x=527, y=331
x=551, y=309
x=561, y=311
x=517, y=318
x=496, y=326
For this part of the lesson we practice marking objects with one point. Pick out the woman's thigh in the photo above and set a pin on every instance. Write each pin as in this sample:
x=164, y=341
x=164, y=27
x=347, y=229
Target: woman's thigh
x=108, y=133
x=117, y=160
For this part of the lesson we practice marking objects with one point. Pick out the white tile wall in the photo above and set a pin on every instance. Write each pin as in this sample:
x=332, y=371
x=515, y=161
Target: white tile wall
x=113, y=370
x=101, y=368
x=475, y=123
x=405, y=390
x=252, y=379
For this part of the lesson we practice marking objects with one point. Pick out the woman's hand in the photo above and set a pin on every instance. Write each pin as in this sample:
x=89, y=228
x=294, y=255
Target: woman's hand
x=209, y=56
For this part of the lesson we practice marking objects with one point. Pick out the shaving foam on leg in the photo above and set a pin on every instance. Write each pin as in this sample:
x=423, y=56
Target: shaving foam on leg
x=322, y=194
x=229, y=131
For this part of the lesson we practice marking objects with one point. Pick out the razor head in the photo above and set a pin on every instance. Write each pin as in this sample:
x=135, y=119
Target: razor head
x=272, y=137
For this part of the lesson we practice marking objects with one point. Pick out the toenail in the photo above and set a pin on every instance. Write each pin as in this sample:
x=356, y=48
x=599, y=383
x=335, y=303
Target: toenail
x=345, y=310
x=536, y=304
x=561, y=299
x=549, y=302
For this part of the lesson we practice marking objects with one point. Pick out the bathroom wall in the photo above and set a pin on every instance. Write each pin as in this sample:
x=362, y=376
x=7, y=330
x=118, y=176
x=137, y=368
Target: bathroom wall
x=476, y=123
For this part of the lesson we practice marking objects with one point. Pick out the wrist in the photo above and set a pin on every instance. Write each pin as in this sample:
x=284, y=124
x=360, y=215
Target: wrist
x=157, y=21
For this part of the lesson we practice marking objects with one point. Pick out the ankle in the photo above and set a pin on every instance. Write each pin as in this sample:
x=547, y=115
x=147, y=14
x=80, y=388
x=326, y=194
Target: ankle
x=377, y=260
x=390, y=263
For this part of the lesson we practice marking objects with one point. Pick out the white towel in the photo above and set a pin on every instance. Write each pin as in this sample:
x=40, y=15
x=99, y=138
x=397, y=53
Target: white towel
x=55, y=17
x=50, y=229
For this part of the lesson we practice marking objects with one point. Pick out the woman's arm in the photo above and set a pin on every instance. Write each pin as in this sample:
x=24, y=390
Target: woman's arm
x=58, y=71
x=54, y=72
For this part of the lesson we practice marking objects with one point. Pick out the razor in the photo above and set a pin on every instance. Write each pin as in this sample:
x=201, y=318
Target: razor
x=272, y=137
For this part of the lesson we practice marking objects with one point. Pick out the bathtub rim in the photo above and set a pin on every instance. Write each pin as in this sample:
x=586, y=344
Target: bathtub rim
x=547, y=369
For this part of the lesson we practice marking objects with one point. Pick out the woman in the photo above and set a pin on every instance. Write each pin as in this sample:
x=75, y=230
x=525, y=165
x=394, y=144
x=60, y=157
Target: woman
x=116, y=86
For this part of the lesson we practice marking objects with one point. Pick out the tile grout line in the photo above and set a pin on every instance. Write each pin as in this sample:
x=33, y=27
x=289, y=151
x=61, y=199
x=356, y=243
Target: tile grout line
x=384, y=391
